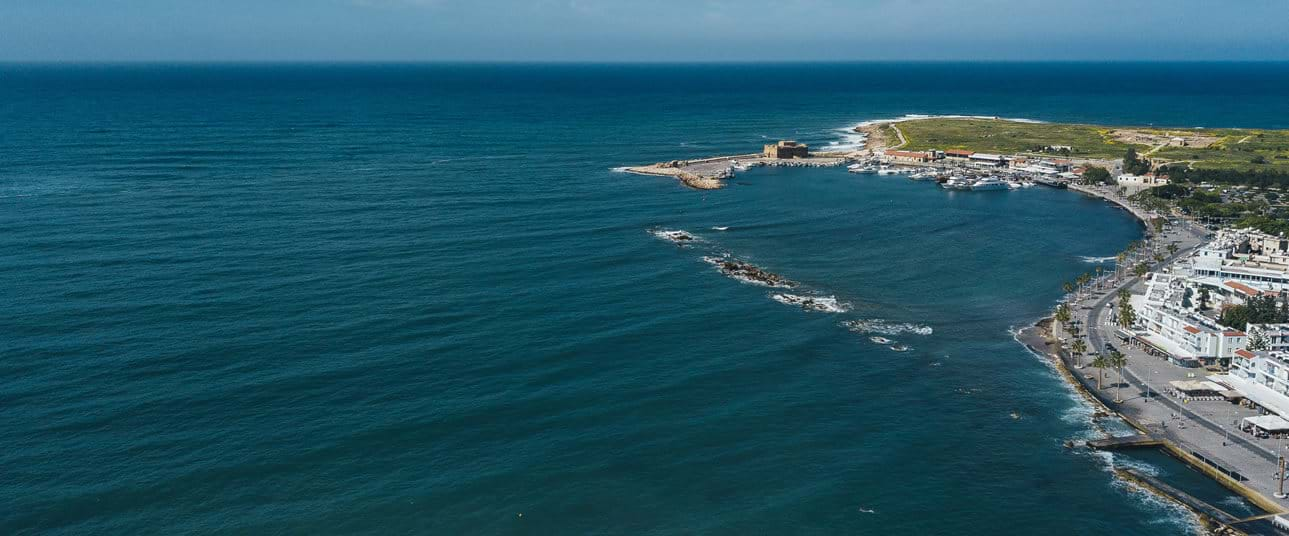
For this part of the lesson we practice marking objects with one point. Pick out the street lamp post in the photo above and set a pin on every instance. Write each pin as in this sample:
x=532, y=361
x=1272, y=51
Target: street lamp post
x=1280, y=493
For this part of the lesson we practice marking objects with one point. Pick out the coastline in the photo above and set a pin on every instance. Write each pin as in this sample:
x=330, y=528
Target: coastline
x=1041, y=339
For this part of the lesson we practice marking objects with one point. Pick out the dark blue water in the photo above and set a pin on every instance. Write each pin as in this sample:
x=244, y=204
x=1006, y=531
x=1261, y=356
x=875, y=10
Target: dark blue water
x=417, y=299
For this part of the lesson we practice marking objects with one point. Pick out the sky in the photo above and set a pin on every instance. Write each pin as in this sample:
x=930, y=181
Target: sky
x=642, y=30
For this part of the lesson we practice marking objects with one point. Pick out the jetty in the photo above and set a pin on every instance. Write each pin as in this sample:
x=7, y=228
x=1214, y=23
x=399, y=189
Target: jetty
x=1126, y=442
x=710, y=173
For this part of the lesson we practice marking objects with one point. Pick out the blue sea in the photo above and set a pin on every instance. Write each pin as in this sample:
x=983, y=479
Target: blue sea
x=419, y=299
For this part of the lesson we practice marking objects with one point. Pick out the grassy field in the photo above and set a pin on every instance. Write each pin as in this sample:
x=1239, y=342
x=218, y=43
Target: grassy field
x=1008, y=137
x=1233, y=148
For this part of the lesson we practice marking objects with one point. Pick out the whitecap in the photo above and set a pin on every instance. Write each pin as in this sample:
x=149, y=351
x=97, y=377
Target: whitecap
x=877, y=325
x=823, y=304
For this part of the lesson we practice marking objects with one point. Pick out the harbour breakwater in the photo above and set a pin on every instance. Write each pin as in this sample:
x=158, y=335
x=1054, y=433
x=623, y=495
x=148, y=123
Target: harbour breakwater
x=709, y=173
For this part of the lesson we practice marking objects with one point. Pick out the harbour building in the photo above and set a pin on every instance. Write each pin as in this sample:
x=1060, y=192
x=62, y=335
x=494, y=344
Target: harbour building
x=787, y=149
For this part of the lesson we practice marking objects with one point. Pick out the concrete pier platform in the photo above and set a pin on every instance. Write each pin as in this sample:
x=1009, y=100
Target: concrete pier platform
x=708, y=173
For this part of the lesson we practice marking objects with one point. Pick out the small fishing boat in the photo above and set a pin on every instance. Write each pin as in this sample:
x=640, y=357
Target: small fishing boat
x=880, y=340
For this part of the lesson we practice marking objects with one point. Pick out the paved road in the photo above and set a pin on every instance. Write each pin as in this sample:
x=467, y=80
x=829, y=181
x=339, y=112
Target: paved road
x=1205, y=428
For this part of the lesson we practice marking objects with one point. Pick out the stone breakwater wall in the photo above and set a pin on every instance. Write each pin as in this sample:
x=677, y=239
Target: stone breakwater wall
x=709, y=173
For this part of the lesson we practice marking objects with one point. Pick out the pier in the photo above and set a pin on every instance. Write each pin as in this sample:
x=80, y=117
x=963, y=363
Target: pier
x=707, y=173
x=1126, y=442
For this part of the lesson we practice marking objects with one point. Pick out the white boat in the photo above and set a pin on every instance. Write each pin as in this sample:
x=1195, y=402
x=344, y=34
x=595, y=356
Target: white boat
x=989, y=183
x=887, y=171
x=880, y=340
x=956, y=183
x=853, y=167
x=925, y=175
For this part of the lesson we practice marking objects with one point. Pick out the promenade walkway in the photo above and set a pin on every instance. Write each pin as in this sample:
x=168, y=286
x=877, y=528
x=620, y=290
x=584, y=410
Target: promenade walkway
x=1207, y=430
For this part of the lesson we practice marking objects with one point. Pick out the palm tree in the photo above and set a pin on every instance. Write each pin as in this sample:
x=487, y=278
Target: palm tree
x=1063, y=313
x=1099, y=270
x=1079, y=348
x=1124, y=294
x=1118, y=360
x=1127, y=315
x=1119, y=260
x=1172, y=249
x=1100, y=363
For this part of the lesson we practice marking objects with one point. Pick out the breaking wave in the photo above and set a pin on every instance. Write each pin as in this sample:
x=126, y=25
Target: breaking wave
x=850, y=140
x=877, y=325
x=823, y=304
x=924, y=116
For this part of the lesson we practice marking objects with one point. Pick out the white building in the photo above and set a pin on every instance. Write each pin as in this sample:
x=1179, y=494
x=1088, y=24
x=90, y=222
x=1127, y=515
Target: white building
x=1246, y=256
x=1137, y=183
x=1169, y=314
x=1262, y=377
x=1273, y=337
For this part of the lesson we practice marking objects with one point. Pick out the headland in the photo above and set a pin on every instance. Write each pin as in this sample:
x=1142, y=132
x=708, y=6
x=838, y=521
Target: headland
x=1129, y=167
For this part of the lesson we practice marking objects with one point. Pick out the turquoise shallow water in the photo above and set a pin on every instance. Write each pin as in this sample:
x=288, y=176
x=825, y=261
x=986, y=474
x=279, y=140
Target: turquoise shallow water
x=417, y=299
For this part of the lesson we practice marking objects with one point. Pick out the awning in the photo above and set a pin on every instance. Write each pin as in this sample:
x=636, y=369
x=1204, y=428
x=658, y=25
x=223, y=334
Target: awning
x=1195, y=386
x=1259, y=394
x=1270, y=423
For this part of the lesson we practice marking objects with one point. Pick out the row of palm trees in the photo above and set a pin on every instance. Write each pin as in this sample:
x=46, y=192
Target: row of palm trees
x=1115, y=360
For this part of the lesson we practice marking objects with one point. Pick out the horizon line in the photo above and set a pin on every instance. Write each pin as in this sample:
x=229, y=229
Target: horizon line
x=617, y=62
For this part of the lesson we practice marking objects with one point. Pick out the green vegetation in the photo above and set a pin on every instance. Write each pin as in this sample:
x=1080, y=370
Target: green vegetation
x=1238, y=149
x=1063, y=313
x=1264, y=153
x=1256, y=310
x=1078, y=349
x=1261, y=178
x=1117, y=360
x=1096, y=174
x=1008, y=137
x=1134, y=165
x=1100, y=363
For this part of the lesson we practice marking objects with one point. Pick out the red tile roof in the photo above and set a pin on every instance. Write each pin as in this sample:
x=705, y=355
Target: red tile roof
x=959, y=152
x=1234, y=333
x=1245, y=353
x=1242, y=288
x=908, y=154
x=1192, y=329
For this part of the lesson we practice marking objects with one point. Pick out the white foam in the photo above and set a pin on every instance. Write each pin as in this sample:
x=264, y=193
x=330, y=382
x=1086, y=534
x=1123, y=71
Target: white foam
x=910, y=117
x=1097, y=260
x=619, y=169
x=850, y=140
x=674, y=236
x=877, y=325
x=738, y=273
x=823, y=304
x=1173, y=514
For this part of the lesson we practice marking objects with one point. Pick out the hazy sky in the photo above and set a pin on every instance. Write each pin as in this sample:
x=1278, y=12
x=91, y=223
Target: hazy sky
x=642, y=30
